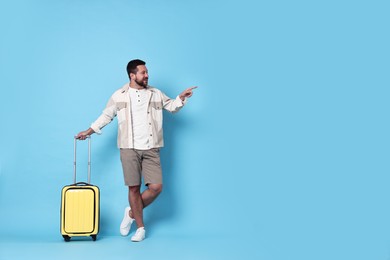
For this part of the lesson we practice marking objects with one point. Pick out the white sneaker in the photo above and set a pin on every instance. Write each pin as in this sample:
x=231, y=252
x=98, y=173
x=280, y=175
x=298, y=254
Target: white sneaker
x=139, y=235
x=126, y=223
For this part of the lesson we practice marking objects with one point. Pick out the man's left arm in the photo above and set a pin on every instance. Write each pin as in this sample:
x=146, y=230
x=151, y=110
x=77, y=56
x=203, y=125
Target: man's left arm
x=174, y=105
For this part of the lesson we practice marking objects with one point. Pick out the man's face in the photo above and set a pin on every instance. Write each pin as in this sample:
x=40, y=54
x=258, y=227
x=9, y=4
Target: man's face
x=142, y=76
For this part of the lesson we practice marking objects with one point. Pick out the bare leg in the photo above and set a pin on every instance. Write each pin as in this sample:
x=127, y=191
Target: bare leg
x=151, y=193
x=140, y=201
x=136, y=205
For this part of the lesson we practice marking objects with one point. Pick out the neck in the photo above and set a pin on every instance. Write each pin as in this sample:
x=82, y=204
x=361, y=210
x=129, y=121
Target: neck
x=134, y=85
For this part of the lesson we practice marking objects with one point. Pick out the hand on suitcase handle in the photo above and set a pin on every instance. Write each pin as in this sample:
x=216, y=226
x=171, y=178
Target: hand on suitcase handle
x=84, y=134
x=81, y=137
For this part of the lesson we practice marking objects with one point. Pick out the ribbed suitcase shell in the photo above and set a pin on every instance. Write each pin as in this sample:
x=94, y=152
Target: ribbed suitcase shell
x=80, y=210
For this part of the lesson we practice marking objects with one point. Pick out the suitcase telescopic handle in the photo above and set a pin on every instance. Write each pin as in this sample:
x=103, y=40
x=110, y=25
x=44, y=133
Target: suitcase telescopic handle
x=89, y=159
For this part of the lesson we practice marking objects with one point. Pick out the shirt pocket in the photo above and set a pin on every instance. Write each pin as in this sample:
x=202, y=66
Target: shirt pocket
x=121, y=111
x=156, y=105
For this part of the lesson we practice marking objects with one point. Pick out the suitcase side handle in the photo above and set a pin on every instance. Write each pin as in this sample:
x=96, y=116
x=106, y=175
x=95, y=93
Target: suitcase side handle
x=89, y=159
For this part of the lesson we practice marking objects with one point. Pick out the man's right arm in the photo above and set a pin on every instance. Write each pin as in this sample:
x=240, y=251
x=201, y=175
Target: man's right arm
x=105, y=118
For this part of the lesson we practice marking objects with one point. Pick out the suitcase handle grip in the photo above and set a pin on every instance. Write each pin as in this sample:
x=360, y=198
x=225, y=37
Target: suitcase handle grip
x=82, y=184
x=89, y=159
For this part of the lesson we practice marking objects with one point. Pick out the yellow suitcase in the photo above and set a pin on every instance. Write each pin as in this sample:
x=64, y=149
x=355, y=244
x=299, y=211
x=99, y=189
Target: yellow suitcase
x=80, y=211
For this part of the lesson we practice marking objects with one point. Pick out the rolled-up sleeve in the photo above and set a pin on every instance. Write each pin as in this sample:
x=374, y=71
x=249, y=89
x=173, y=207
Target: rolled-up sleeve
x=106, y=117
x=172, y=105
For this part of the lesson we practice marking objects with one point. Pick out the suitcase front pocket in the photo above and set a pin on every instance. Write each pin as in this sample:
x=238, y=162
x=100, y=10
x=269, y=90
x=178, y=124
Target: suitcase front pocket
x=79, y=210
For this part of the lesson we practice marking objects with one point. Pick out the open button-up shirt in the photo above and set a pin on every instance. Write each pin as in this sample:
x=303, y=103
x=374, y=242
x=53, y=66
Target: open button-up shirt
x=119, y=105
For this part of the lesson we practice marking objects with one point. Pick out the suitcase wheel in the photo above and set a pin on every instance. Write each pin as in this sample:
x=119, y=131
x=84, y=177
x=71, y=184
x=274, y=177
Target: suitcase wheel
x=93, y=237
x=66, y=238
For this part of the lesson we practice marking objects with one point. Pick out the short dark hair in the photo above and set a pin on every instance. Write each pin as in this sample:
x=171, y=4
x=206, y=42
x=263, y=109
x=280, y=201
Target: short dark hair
x=132, y=66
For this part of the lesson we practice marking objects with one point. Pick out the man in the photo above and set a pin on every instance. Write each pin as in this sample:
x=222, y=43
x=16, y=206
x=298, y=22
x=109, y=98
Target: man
x=138, y=108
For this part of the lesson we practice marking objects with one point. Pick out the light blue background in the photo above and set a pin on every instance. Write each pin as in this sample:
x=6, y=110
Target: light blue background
x=282, y=152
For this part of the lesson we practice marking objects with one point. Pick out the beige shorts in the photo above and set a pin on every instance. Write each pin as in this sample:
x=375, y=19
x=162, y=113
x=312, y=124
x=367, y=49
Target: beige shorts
x=141, y=163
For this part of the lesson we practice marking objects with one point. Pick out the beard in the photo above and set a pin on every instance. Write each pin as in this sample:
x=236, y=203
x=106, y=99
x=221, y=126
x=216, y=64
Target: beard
x=142, y=83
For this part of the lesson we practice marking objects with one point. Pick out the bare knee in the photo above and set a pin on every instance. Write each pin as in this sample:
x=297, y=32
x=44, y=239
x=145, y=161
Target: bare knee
x=155, y=188
x=134, y=189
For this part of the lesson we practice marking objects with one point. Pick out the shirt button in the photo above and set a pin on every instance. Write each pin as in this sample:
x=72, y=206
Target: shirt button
x=150, y=134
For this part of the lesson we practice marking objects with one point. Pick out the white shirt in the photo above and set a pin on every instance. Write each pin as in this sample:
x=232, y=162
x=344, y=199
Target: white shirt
x=139, y=114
